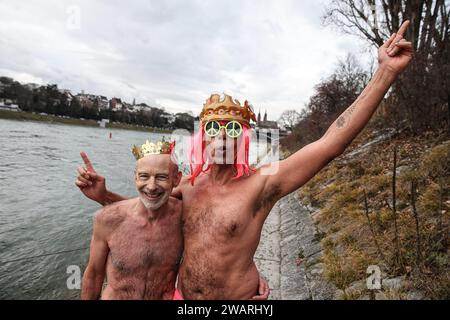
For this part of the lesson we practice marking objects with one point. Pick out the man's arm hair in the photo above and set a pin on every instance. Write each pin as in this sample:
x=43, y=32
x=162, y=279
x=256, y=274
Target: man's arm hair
x=111, y=197
x=95, y=271
x=299, y=168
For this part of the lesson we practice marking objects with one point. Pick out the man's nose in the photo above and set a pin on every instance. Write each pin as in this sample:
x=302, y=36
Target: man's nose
x=151, y=184
x=222, y=133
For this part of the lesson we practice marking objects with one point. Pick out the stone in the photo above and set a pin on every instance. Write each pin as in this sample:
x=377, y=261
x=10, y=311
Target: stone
x=357, y=286
x=394, y=283
x=415, y=295
x=381, y=296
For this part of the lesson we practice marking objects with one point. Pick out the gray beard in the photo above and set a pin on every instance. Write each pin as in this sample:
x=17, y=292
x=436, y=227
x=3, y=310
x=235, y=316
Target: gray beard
x=151, y=205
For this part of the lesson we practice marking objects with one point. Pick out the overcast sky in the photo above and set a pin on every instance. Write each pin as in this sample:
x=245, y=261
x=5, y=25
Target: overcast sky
x=174, y=54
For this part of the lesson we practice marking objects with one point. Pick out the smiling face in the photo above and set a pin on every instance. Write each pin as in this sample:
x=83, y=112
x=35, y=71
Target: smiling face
x=155, y=177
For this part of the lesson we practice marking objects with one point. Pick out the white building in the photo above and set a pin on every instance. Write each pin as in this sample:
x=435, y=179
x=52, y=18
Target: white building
x=8, y=105
x=115, y=104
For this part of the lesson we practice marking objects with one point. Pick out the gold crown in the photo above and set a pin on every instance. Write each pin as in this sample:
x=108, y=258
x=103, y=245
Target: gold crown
x=226, y=109
x=151, y=148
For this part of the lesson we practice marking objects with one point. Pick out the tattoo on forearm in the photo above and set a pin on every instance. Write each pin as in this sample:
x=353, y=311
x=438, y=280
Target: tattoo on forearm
x=343, y=119
x=379, y=84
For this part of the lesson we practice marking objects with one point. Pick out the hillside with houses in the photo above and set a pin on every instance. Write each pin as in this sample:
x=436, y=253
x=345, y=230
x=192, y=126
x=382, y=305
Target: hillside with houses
x=49, y=99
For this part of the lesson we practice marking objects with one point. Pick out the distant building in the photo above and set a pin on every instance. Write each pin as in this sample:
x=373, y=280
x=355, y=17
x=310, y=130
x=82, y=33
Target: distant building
x=7, y=104
x=141, y=107
x=86, y=100
x=102, y=102
x=127, y=107
x=98, y=102
x=115, y=104
x=169, y=117
x=265, y=124
x=68, y=96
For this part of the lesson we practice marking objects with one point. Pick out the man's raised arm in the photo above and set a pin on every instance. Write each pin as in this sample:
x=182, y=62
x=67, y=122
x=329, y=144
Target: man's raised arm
x=296, y=170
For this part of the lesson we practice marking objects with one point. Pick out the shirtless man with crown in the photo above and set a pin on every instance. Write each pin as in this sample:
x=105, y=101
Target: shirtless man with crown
x=138, y=243
x=225, y=204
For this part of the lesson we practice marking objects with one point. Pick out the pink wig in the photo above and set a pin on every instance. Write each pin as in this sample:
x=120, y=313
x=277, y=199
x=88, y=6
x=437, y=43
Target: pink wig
x=197, y=157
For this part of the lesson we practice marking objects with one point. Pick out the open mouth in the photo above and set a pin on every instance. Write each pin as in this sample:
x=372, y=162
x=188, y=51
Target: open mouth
x=152, y=196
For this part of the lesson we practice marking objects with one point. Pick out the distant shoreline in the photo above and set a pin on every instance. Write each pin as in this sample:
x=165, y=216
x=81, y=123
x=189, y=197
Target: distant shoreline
x=28, y=116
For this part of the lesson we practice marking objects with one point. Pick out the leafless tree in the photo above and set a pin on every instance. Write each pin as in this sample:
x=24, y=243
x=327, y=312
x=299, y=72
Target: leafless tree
x=331, y=97
x=424, y=89
x=289, y=118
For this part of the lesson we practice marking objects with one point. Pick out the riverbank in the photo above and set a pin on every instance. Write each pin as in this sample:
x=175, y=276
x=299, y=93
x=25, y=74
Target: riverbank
x=289, y=254
x=364, y=221
x=28, y=116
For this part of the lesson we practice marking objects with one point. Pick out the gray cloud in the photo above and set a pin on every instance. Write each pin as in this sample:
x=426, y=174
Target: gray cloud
x=174, y=53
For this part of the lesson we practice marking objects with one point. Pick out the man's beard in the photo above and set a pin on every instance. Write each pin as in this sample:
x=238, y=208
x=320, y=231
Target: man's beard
x=154, y=205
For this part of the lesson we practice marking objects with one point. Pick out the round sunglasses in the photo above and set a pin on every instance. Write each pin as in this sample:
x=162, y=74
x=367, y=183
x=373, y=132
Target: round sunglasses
x=233, y=129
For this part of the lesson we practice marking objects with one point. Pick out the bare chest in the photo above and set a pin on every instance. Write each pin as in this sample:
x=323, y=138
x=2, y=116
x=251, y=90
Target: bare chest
x=134, y=247
x=220, y=213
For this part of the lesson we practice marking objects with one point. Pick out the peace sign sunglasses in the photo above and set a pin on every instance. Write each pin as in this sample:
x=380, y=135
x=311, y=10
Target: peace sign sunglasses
x=233, y=129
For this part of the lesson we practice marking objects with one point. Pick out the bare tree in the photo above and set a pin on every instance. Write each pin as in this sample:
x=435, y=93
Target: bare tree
x=425, y=88
x=289, y=118
x=331, y=97
x=376, y=20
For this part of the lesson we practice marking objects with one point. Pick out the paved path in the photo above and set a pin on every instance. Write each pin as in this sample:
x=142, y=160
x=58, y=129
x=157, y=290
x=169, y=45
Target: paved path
x=287, y=234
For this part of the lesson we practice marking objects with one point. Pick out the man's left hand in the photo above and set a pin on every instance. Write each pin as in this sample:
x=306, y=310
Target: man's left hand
x=263, y=290
x=396, y=53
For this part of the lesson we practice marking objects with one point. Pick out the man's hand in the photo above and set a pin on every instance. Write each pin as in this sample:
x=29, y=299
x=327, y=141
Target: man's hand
x=263, y=290
x=396, y=53
x=90, y=183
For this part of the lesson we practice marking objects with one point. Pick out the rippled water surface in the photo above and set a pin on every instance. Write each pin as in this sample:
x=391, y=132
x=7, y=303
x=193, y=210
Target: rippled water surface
x=42, y=211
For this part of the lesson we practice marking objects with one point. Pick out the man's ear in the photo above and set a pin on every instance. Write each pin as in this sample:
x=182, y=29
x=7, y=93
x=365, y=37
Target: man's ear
x=177, y=179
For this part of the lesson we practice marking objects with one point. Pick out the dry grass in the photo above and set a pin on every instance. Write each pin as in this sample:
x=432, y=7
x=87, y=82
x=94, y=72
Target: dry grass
x=349, y=243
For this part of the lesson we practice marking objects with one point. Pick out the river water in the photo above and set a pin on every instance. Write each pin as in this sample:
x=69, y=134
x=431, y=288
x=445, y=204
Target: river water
x=45, y=221
x=41, y=209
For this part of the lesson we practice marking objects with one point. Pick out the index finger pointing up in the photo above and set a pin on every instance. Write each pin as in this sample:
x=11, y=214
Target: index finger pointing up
x=403, y=28
x=87, y=162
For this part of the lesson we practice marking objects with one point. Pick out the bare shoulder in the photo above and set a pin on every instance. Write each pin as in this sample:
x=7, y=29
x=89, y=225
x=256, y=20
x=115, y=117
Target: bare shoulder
x=114, y=214
x=257, y=179
x=176, y=205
